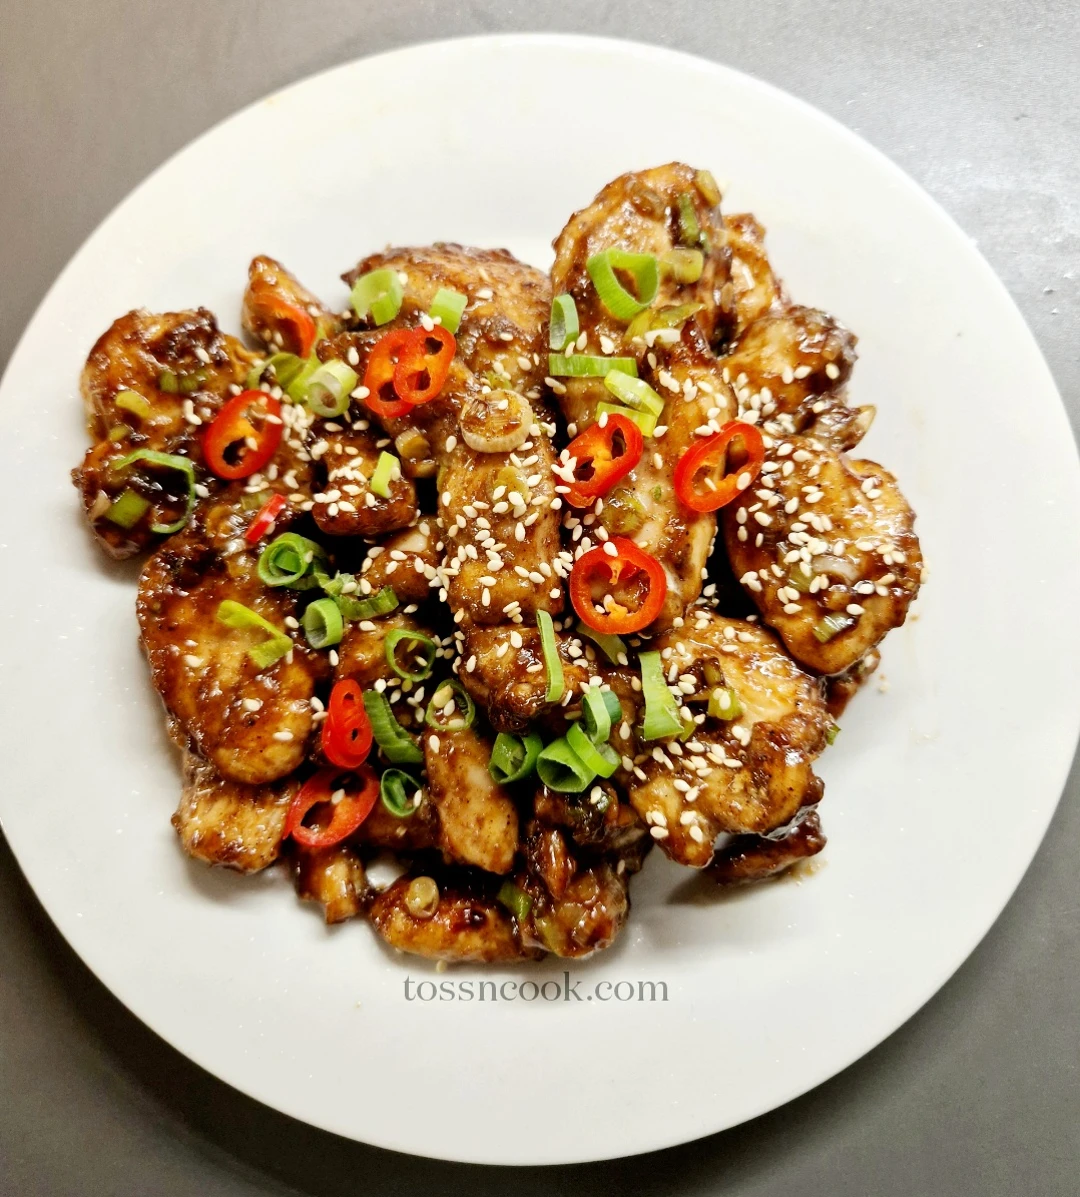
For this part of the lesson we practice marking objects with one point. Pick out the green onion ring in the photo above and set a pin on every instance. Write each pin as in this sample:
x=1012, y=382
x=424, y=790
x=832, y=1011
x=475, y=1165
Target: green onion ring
x=634, y=392
x=127, y=509
x=330, y=388
x=434, y=716
x=369, y=607
x=584, y=365
x=513, y=758
x=560, y=768
x=724, y=704
x=169, y=461
x=611, y=646
x=620, y=302
x=397, y=745
x=684, y=265
x=394, y=638
x=378, y=292
x=290, y=560
x=384, y=474
x=133, y=402
x=515, y=899
x=447, y=307
x=831, y=625
x=236, y=615
x=564, y=326
x=323, y=624
x=601, y=758
x=645, y=420
x=599, y=709
x=396, y=789
x=661, y=710
x=556, y=682
x=689, y=226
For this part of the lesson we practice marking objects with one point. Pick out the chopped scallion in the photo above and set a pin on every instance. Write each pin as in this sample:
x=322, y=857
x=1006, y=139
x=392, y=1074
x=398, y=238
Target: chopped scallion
x=290, y=560
x=831, y=625
x=724, y=704
x=584, y=365
x=133, y=402
x=560, y=768
x=323, y=624
x=397, y=745
x=564, y=327
x=378, y=292
x=397, y=790
x=831, y=733
x=601, y=758
x=384, y=473
x=634, y=392
x=278, y=643
x=126, y=510
x=642, y=268
x=684, y=265
x=425, y=645
x=168, y=461
x=662, y=717
x=443, y=711
x=689, y=226
x=611, y=646
x=645, y=420
x=447, y=307
x=369, y=607
x=596, y=714
x=330, y=388
x=515, y=899
x=513, y=758
x=555, y=681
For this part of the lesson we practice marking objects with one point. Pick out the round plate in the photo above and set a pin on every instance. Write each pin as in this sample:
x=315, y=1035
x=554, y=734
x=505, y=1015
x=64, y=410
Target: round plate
x=938, y=790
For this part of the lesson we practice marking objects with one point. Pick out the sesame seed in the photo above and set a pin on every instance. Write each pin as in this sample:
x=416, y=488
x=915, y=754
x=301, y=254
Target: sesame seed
x=283, y=737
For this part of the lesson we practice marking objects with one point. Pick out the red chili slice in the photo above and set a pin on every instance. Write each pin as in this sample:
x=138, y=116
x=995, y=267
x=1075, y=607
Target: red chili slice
x=392, y=348
x=346, y=731
x=606, y=452
x=263, y=523
x=640, y=575
x=700, y=459
x=360, y=793
x=244, y=436
x=421, y=374
x=297, y=326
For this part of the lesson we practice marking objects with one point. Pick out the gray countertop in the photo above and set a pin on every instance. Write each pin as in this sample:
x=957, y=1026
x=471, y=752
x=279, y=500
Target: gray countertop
x=980, y=1093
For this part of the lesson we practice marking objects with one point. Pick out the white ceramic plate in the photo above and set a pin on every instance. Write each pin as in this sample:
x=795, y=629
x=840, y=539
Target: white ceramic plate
x=938, y=790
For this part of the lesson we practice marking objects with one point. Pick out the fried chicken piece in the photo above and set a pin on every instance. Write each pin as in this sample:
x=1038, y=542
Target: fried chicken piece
x=841, y=688
x=282, y=313
x=742, y=775
x=362, y=651
x=747, y=858
x=414, y=833
x=467, y=925
x=171, y=361
x=346, y=505
x=640, y=212
x=755, y=288
x=225, y=822
x=333, y=877
x=588, y=911
x=251, y=724
x=848, y=558
x=478, y=822
x=406, y=561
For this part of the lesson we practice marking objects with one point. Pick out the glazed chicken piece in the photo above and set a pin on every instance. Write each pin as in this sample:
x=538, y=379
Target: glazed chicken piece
x=282, y=313
x=229, y=823
x=176, y=368
x=464, y=923
x=251, y=724
x=414, y=833
x=749, y=774
x=333, y=877
x=406, y=561
x=589, y=909
x=504, y=671
x=478, y=822
x=362, y=651
x=839, y=569
x=640, y=212
x=756, y=290
x=841, y=688
x=346, y=505
x=747, y=858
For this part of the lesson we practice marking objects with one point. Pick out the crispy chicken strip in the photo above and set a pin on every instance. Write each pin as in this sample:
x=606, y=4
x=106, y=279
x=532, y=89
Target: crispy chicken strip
x=251, y=724
x=477, y=819
x=229, y=823
x=333, y=877
x=275, y=304
x=639, y=212
x=827, y=550
x=182, y=365
x=748, y=774
x=747, y=858
x=467, y=924
x=406, y=561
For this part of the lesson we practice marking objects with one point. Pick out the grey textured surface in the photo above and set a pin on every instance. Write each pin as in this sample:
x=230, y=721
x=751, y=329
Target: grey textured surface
x=980, y=1093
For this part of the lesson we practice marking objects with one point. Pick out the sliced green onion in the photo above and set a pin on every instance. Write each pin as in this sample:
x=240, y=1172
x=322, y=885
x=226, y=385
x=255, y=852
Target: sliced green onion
x=560, y=768
x=515, y=899
x=447, y=307
x=596, y=715
x=396, y=743
x=284, y=367
x=168, y=382
x=601, y=758
x=289, y=560
x=689, y=227
x=394, y=638
x=398, y=791
x=133, y=402
x=564, y=327
x=127, y=509
x=831, y=733
x=724, y=704
x=832, y=625
x=323, y=624
x=584, y=365
x=611, y=646
x=674, y=316
x=645, y=420
x=555, y=681
x=623, y=514
x=642, y=268
x=661, y=710
x=236, y=615
x=378, y=292
x=119, y=432
x=168, y=461
x=452, y=694
x=189, y=383
x=369, y=607
x=706, y=183
x=330, y=387
x=513, y=758
x=384, y=474
x=634, y=392
x=684, y=265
